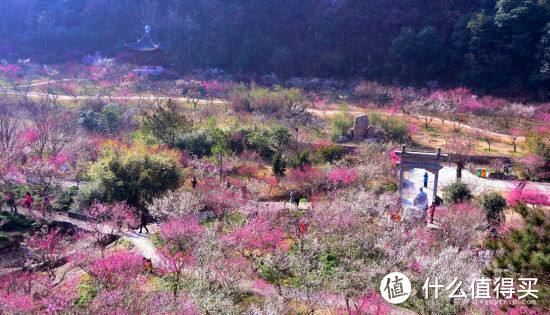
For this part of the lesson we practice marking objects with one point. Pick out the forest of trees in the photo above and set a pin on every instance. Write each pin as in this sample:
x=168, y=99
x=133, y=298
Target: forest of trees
x=486, y=45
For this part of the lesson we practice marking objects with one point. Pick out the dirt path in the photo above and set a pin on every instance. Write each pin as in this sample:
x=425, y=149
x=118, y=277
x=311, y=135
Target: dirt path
x=332, y=109
x=436, y=122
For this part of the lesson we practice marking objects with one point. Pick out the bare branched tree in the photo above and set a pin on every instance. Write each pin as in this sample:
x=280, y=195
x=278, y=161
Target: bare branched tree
x=10, y=125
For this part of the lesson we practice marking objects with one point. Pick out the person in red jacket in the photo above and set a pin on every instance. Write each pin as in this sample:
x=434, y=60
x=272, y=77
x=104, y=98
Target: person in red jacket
x=28, y=201
x=431, y=212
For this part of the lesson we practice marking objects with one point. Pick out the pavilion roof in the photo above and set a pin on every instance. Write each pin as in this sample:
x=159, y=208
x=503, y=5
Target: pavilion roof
x=145, y=43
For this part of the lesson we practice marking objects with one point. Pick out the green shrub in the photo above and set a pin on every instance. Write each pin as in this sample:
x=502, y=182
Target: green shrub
x=87, y=195
x=267, y=141
x=90, y=120
x=396, y=128
x=3, y=238
x=198, y=143
x=278, y=165
x=108, y=120
x=330, y=153
x=20, y=190
x=457, y=192
x=260, y=141
x=65, y=199
x=299, y=160
x=494, y=205
x=523, y=252
x=111, y=116
x=280, y=138
x=276, y=101
x=135, y=174
x=272, y=275
x=339, y=125
x=165, y=124
x=87, y=292
x=14, y=222
x=237, y=140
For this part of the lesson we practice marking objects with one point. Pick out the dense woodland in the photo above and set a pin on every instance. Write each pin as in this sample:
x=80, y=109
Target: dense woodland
x=489, y=46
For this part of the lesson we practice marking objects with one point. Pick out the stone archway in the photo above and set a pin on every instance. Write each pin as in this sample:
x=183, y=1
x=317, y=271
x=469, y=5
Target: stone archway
x=431, y=162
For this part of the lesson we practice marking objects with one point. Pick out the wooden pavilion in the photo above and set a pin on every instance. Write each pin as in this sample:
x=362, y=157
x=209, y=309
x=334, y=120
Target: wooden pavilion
x=145, y=51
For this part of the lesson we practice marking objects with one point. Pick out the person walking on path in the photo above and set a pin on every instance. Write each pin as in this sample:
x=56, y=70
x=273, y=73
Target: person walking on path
x=28, y=200
x=148, y=265
x=45, y=206
x=143, y=219
x=10, y=201
x=294, y=199
x=425, y=179
x=194, y=182
x=431, y=212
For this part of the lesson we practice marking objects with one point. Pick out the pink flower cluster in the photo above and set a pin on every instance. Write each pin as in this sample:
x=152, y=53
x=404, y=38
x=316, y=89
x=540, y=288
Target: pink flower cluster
x=118, y=268
x=528, y=196
x=181, y=229
x=259, y=233
x=10, y=71
x=343, y=176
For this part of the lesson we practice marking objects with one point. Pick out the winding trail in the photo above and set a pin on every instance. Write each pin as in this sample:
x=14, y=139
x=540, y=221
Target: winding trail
x=140, y=241
x=435, y=121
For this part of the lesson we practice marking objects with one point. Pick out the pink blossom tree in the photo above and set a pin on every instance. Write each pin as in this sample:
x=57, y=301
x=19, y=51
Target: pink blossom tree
x=530, y=196
x=219, y=199
x=48, y=251
x=107, y=220
x=259, y=236
x=115, y=270
x=26, y=292
x=342, y=177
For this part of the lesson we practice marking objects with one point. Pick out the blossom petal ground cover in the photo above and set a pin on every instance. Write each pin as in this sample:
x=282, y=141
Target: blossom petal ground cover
x=222, y=165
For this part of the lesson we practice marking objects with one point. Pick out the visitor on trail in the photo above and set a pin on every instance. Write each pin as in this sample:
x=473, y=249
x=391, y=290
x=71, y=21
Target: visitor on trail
x=294, y=199
x=45, y=206
x=143, y=219
x=421, y=200
x=244, y=191
x=148, y=265
x=28, y=201
x=431, y=212
x=425, y=179
x=10, y=201
x=194, y=182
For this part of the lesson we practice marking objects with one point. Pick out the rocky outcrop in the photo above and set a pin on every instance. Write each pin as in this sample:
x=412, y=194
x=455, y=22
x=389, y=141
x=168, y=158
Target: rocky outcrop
x=361, y=130
x=360, y=127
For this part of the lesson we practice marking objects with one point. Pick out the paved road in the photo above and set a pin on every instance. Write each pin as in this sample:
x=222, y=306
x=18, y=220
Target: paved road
x=447, y=175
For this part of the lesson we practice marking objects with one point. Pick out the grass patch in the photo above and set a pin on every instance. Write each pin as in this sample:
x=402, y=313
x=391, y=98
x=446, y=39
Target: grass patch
x=156, y=240
x=15, y=222
x=123, y=244
x=3, y=237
